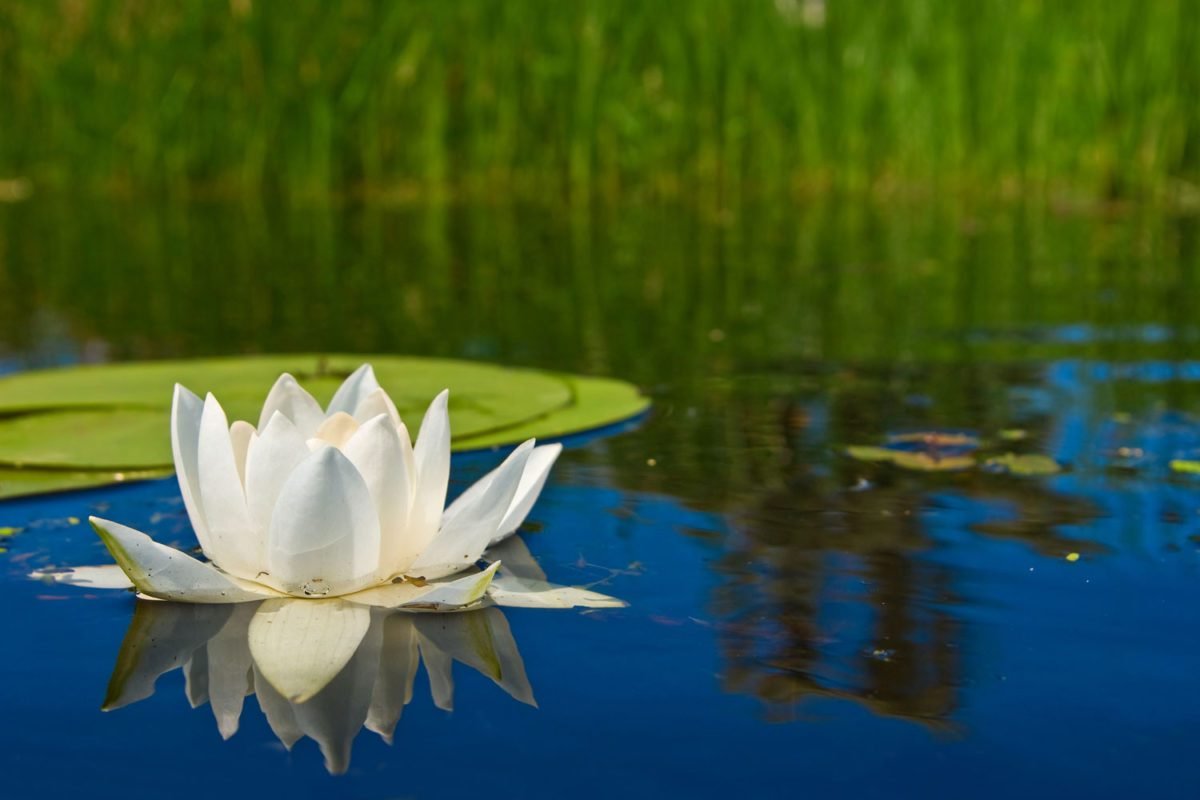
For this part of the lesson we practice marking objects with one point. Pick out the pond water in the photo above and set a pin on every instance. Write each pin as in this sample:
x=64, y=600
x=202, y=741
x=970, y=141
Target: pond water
x=801, y=622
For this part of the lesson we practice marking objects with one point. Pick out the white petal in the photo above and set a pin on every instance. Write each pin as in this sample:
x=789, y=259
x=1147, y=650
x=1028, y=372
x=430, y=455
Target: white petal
x=384, y=460
x=299, y=646
x=338, y=429
x=432, y=457
x=334, y=716
x=436, y=596
x=278, y=711
x=324, y=536
x=234, y=545
x=287, y=397
x=537, y=469
x=353, y=390
x=438, y=664
x=186, y=409
x=242, y=434
x=398, y=664
x=163, y=572
x=195, y=669
x=103, y=576
x=483, y=641
x=513, y=592
x=462, y=539
x=521, y=582
x=374, y=404
x=161, y=638
x=272, y=458
x=229, y=678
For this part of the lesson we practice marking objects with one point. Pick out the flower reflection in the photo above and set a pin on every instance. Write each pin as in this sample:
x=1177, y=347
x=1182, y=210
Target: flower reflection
x=321, y=669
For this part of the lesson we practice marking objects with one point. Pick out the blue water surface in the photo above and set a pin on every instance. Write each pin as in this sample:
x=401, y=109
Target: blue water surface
x=1055, y=677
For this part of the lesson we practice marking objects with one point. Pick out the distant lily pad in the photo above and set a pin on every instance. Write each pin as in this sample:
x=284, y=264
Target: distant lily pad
x=920, y=460
x=1029, y=464
x=1186, y=466
x=85, y=426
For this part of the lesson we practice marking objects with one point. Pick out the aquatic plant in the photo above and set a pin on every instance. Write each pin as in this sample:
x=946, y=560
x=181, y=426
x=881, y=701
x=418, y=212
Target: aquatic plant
x=336, y=502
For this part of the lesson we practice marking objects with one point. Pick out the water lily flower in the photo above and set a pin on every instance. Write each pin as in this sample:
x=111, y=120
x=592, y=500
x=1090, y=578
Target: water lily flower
x=338, y=502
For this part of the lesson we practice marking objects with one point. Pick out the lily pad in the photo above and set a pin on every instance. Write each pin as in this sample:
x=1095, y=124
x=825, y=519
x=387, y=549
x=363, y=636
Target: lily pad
x=1028, y=464
x=94, y=425
x=484, y=397
x=921, y=461
x=26, y=482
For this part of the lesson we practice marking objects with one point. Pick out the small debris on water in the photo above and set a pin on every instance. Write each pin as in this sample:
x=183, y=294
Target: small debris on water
x=1072, y=557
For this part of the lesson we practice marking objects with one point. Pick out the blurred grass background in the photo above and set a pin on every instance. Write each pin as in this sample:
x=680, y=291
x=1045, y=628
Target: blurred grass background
x=721, y=100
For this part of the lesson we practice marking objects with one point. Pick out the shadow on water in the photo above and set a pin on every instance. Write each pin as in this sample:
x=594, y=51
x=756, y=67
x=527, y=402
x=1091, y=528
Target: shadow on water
x=771, y=342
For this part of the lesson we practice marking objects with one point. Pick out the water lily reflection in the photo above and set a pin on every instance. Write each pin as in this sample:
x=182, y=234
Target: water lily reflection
x=321, y=669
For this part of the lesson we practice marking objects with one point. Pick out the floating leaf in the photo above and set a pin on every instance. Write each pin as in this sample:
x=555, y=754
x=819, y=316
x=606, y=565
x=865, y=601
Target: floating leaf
x=25, y=482
x=920, y=461
x=1023, y=464
x=1014, y=434
x=1186, y=466
x=95, y=425
x=935, y=439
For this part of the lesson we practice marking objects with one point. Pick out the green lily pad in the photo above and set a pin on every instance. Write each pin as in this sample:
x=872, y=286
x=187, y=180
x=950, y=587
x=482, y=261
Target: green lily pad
x=1029, y=464
x=26, y=482
x=484, y=397
x=85, y=426
x=105, y=439
x=1185, y=466
x=920, y=461
x=589, y=395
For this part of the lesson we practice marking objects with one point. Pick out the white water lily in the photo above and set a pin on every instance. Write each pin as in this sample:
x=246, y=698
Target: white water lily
x=338, y=502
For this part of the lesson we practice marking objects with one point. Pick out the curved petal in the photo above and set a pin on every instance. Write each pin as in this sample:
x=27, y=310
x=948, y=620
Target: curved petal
x=229, y=674
x=186, y=409
x=324, y=535
x=462, y=540
x=374, y=404
x=483, y=641
x=162, y=637
x=290, y=399
x=452, y=595
x=333, y=717
x=281, y=717
x=512, y=592
x=384, y=460
x=235, y=546
x=241, y=433
x=272, y=458
x=103, y=576
x=163, y=572
x=432, y=457
x=299, y=646
x=353, y=390
x=537, y=469
x=399, y=661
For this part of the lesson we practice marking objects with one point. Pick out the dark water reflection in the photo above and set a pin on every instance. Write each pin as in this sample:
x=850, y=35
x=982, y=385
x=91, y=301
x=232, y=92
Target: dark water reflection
x=1012, y=616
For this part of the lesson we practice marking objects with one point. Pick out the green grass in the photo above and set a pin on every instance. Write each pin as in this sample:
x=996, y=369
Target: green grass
x=717, y=99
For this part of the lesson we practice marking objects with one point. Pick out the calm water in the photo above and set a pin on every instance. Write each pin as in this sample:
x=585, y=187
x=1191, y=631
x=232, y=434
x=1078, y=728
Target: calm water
x=800, y=623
